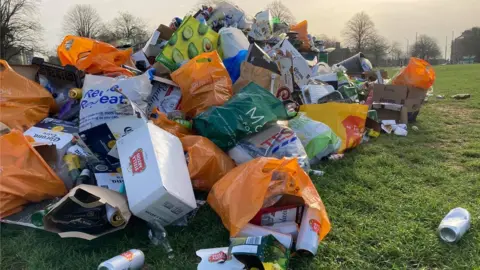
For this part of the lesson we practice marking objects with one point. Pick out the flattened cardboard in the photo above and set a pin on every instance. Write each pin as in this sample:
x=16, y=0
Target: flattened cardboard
x=112, y=198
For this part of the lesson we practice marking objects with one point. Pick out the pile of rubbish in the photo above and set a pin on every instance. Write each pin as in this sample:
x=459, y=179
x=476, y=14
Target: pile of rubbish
x=215, y=103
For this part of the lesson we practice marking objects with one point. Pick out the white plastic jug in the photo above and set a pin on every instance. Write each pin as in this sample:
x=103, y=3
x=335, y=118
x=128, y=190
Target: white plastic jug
x=454, y=225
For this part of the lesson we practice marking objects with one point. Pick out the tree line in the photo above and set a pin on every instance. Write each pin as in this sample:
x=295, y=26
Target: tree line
x=20, y=30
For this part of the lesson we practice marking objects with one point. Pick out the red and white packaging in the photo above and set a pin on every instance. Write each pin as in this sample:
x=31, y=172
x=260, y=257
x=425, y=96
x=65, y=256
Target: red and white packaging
x=308, y=235
x=165, y=96
x=272, y=215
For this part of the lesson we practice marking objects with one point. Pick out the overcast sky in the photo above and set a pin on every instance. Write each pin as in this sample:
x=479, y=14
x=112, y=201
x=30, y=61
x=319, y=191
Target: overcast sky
x=397, y=20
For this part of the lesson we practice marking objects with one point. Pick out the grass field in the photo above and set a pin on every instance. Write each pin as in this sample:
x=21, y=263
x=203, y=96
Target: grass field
x=385, y=200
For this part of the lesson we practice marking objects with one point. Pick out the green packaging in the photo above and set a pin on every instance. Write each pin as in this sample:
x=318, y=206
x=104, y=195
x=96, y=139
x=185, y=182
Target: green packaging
x=191, y=39
x=261, y=252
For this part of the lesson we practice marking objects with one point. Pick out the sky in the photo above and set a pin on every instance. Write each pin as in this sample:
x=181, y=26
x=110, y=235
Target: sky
x=397, y=20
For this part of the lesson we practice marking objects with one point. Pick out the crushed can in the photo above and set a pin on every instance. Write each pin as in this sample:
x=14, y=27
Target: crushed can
x=132, y=259
x=454, y=225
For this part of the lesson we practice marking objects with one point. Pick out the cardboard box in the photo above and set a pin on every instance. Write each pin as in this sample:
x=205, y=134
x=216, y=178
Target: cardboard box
x=157, y=41
x=165, y=96
x=109, y=176
x=262, y=27
x=391, y=111
x=101, y=140
x=286, y=71
x=156, y=175
x=411, y=98
x=49, y=130
x=301, y=70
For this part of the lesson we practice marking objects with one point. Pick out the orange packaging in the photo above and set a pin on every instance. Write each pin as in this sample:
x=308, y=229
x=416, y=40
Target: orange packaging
x=23, y=102
x=418, y=73
x=94, y=57
x=242, y=192
x=204, y=82
x=25, y=176
x=302, y=30
x=206, y=162
x=166, y=124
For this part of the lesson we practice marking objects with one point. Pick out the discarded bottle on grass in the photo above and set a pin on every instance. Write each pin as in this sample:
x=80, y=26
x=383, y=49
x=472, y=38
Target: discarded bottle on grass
x=158, y=236
x=454, y=225
x=132, y=259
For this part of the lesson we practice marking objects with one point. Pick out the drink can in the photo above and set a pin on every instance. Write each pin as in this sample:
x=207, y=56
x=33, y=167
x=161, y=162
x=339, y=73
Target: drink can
x=75, y=93
x=132, y=259
x=114, y=216
x=308, y=235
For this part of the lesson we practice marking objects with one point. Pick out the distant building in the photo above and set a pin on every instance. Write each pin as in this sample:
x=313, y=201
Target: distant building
x=465, y=48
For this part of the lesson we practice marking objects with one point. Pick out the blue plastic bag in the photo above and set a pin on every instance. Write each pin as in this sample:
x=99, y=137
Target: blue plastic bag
x=233, y=64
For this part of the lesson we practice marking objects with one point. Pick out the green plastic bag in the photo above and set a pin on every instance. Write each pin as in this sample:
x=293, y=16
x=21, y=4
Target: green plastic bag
x=318, y=139
x=244, y=114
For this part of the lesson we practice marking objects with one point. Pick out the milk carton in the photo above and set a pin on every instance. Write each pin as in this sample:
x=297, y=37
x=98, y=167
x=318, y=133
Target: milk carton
x=156, y=176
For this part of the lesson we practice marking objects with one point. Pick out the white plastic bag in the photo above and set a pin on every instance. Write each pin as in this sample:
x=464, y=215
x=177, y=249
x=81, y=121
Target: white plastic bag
x=276, y=141
x=106, y=98
x=232, y=41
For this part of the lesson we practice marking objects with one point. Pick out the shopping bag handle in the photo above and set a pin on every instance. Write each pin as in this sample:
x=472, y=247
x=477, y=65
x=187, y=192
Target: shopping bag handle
x=4, y=65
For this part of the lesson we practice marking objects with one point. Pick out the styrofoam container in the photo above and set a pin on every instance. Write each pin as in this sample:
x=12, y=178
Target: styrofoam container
x=155, y=173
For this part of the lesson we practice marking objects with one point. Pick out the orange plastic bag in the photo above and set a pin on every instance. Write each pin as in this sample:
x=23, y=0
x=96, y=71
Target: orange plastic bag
x=240, y=194
x=25, y=176
x=23, y=102
x=94, y=57
x=173, y=127
x=204, y=82
x=206, y=162
x=302, y=30
x=418, y=73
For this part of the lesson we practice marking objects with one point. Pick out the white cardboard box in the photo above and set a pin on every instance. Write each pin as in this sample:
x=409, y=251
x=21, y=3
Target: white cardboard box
x=156, y=175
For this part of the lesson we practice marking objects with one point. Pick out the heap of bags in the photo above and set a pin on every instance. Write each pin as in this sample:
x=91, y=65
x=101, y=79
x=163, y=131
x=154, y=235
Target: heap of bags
x=215, y=103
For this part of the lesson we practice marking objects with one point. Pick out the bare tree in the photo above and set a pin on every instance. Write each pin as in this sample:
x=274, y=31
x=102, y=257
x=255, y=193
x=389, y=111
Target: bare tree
x=396, y=50
x=83, y=21
x=378, y=47
x=426, y=48
x=131, y=28
x=19, y=29
x=280, y=11
x=359, y=31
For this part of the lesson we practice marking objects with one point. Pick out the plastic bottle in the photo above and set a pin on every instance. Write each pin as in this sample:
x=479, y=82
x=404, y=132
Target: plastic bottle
x=454, y=225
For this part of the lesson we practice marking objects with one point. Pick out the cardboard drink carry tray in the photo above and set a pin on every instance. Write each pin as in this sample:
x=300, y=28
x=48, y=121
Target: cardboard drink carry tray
x=88, y=197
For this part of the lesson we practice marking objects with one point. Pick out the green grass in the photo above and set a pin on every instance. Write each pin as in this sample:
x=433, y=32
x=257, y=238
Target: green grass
x=385, y=200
